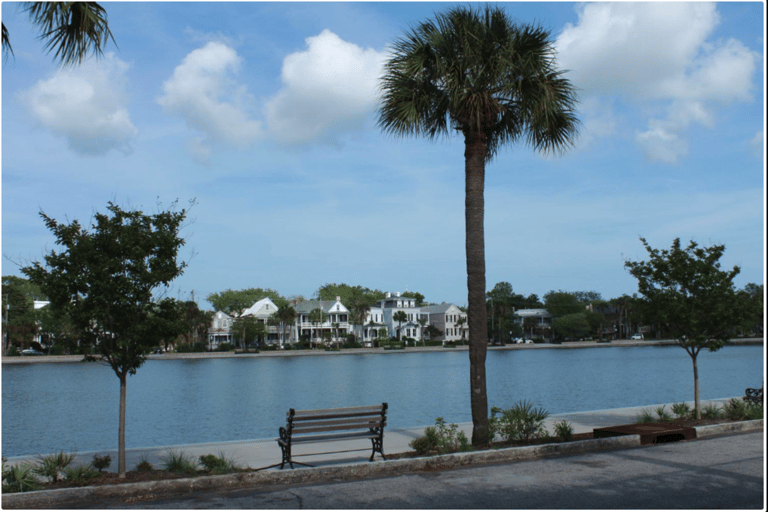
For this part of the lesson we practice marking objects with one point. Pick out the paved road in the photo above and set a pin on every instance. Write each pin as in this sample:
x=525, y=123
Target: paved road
x=719, y=472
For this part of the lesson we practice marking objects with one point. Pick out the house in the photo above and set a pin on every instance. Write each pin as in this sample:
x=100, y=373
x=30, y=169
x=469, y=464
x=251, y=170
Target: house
x=334, y=323
x=390, y=305
x=262, y=311
x=220, y=330
x=538, y=320
x=374, y=322
x=449, y=319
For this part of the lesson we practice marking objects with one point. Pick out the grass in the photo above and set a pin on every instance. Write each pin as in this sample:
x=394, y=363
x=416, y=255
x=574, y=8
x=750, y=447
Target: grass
x=176, y=462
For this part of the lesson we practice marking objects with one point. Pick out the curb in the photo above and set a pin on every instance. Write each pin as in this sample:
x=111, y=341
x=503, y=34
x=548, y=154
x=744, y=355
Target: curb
x=130, y=493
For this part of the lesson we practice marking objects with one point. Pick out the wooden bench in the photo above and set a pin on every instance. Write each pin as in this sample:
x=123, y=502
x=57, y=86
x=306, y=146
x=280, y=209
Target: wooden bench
x=754, y=395
x=330, y=425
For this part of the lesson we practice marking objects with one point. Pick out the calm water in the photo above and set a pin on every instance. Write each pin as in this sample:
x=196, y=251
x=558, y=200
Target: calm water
x=74, y=406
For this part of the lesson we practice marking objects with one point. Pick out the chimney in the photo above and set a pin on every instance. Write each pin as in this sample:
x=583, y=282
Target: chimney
x=338, y=299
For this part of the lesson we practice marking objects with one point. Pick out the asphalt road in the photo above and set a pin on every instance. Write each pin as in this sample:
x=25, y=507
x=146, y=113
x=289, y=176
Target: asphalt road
x=723, y=472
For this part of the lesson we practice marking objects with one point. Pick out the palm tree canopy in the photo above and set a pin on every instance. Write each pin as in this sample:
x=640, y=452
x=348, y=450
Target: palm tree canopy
x=71, y=30
x=478, y=72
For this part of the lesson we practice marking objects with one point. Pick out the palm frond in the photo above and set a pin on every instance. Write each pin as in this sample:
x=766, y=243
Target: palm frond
x=72, y=30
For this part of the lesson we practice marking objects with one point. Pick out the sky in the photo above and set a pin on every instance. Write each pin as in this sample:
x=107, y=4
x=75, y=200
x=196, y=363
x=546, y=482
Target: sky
x=265, y=115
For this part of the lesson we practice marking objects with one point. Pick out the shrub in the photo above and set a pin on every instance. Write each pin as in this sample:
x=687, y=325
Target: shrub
x=52, y=465
x=101, y=462
x=13, y=351
x=520, y=423
x=754, y=411
x=645, y=416
x=711, y=412
x=186, y=348
x=681, y=411
x=564, y=430
x=80, y=475
x=177, y=462
x=735, y=409
x=663, y=414
x=225, y=347
x=218, y=465
x=144, y=465
x=19, y=478
x=422, y=444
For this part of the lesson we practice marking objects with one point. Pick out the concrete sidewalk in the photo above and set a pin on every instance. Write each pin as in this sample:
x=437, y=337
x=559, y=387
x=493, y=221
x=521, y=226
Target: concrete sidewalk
x=262, y=453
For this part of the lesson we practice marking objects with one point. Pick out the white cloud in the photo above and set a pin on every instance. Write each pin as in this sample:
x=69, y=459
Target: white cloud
x=204, y=93
x=658, y=52
x=329, y=88
x=757, y=144
x=85, y=105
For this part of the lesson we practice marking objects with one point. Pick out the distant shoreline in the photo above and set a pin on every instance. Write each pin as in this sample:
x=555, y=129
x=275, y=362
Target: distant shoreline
x=292, y=353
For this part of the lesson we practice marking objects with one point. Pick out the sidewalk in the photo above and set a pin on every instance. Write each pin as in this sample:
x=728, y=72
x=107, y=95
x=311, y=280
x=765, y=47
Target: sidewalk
x=261, y=453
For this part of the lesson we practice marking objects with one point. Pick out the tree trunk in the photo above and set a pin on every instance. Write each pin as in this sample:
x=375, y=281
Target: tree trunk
x=121, y=428
x=474, y=205
x=696, y=403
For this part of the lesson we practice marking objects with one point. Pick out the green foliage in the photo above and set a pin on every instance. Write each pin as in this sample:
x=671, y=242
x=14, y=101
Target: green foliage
x=754, y=411
x=185, y=348
x=681, y=410
x=101, y=462
x=235, y=301
x=51, y=465
x=350, y=295
x=247, y=329
x=738, y=409
x=711, y=412
x=218, y=465
x=177, y=462
x=645, y=416
x=422, y=445
x=662, y=414
x=13, y=351
x=564, y=430
x=144, y=466
x=574, y=325
x=447, y=438
x=19, y=478
x=562, y=303
x=18, y=308
x=80, y=475
x=521, y=422
x=225, y=347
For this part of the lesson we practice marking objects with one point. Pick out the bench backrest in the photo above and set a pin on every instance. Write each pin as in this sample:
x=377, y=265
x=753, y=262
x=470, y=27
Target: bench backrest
x=344, y=418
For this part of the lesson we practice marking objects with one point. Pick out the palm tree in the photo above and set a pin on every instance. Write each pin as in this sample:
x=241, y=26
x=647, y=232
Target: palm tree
x=496, y=82
x=287, y=315
x=317, y=317
x=400, y=317
x=71, y=30
x=361, y=310
x=422, y=323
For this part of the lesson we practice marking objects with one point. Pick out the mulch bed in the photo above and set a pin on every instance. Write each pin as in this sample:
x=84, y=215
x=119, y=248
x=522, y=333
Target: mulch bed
x=108, y=478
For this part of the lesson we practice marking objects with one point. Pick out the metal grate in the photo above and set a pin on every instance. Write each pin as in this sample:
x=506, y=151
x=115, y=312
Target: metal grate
x=650, y=433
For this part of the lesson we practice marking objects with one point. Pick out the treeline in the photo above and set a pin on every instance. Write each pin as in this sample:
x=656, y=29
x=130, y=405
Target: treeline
x=583, y=314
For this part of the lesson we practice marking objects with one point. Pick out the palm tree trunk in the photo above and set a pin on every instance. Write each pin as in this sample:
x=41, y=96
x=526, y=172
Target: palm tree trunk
x=474, y=162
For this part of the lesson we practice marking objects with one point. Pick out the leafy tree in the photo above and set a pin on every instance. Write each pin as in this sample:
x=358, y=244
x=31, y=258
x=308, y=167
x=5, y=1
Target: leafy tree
x=72, y=30
x=246, y=329
x=562, y=303
x=572, y=325
x=106, y=280
x=349, y=295
x=19, y=320
x=496, y=82
x=414, y=295
x=196, y=321
x=753, y=297
x=233, y=302
x=685, y=292
x=360, y=311
x=399, y=317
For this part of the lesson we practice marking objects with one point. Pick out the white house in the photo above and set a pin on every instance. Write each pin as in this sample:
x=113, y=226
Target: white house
x=335, y=320
x=391, y=305
x=220, y=330
x=451, y=320
x=535, y=318
x=262, y=311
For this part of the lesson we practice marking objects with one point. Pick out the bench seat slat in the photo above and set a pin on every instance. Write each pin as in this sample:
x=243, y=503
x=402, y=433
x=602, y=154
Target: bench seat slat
x=331, y=437
x=319, y=416
x=356, y=426
x=336, y=421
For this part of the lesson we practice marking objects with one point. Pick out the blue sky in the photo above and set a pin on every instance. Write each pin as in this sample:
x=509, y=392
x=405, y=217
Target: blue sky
x=265, y=113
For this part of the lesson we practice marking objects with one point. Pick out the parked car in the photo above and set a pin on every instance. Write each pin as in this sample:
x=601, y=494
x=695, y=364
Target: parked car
x=528, y=341
x=31, y=352
x=637, y=336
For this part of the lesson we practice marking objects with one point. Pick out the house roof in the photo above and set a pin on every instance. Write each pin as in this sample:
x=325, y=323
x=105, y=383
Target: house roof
x=438, y=308
x=307, y=306
x=532, y=312
x=264, y=307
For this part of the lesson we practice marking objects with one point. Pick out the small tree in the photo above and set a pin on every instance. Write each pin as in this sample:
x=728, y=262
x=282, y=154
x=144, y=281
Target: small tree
x=317, y=317
x=106, y=281
x=399, y=317
x=685, y=292
x=246, y=329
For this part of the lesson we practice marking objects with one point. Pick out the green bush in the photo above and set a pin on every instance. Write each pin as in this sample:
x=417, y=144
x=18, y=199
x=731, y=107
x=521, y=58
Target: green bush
x=735, y=409
x=681, y=410
x=80, y=475
x=645, y=416
x=520, y=423
x=144, y=466
x=663, y=414
x=711, y=412
x=19, y=478
x=754, y=411
x=224, y=347
x=177, y=462
x=564, y=430
x=101, y=462
x=422, y=445
x=51, y=465
x=186, y=348
x=441, y=438
x=13, y=351
x=218, y=465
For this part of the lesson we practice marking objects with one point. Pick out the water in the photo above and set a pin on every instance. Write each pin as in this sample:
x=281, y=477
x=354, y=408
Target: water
x=74, y=406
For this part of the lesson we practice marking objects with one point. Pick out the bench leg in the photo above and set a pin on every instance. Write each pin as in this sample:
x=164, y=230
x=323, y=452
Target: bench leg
x=378, y=446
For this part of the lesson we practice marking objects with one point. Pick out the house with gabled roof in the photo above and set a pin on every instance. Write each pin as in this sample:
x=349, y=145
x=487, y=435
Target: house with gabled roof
x=447, y=318
x=335, y=321
x=390, y=305
x=220, y=330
